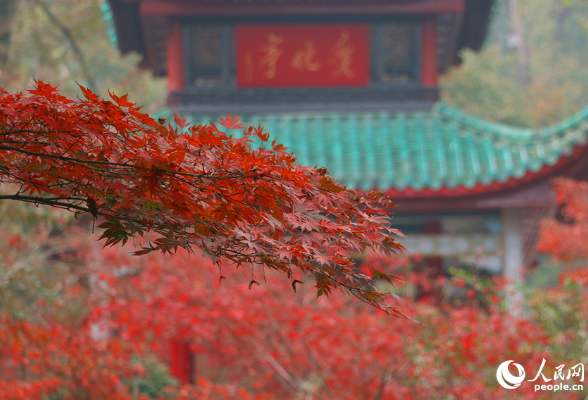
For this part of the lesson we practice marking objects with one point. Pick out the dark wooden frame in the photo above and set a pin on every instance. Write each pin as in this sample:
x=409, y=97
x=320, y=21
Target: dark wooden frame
x=227, y=56
x=139, y=23
x=377, y=35
x=228, y=93
x=352, y=7
x=228, y=24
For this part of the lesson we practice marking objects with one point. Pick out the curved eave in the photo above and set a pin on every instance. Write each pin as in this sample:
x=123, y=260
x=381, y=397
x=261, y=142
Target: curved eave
x=493, y=187
x=441, y=154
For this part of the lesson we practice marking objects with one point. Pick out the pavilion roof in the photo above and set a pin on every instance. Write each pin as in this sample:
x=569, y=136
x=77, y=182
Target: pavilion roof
x=444, y=152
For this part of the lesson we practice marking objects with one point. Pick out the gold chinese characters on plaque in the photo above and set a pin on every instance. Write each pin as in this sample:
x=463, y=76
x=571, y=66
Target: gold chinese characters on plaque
x=303, y=55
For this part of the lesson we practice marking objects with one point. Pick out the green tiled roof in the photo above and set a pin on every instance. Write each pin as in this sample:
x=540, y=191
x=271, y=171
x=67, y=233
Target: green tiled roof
x=109, y=22
x=443, y=148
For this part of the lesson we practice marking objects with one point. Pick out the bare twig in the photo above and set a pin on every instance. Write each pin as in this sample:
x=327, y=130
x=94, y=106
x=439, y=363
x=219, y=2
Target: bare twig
x=72, y=41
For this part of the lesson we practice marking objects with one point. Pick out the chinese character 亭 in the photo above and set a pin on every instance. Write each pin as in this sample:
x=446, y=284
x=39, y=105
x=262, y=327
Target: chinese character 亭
x=271, y=54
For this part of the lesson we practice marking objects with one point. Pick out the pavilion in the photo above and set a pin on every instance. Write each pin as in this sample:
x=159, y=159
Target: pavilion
x=352, y=85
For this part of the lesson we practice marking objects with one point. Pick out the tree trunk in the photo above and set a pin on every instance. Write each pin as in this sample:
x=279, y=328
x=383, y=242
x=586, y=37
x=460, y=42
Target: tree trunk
x=518, y=30
x=7, y=11
x=560, y=20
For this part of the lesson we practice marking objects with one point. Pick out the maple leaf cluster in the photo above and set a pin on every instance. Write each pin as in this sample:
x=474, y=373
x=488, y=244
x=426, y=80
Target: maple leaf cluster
x=273, y=343
x=565, y=238
x=296, y=346
x=86, y=334
x=79, y=322
x=193, y=186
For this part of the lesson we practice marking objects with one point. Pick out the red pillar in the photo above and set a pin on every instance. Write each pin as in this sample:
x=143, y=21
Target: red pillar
x=429, y=63
x=181, y=364
x=432, y=269
x=175, y=57
x=434, y=265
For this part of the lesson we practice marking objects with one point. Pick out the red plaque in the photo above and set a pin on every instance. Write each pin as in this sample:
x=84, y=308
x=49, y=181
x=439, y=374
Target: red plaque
x=303, y=55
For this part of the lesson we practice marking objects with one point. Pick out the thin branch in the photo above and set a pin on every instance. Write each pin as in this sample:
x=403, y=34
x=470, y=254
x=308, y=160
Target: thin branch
x=54, y=202
x=72, y=41
x=82, y=162
x=68, y=159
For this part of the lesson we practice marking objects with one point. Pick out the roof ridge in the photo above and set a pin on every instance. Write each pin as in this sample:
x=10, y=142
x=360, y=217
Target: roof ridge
x=501, y=131
x=443, y=150
x=474, y=125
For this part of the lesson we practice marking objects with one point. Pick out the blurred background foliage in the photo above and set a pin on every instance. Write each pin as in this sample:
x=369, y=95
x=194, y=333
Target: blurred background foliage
x=66, y=41
x=554, y=84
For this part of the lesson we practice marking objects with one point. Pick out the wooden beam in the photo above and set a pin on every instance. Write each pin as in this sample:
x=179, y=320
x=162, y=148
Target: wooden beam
x=530, y=195
x=429, y=61
x=453, y=244
x=235, y=8
x=175, y=57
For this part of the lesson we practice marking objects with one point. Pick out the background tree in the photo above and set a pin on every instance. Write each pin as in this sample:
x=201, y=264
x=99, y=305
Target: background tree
x=565, y=237
x=265, y=342
x=7, y=11
x=488, y=84
x=64, y=42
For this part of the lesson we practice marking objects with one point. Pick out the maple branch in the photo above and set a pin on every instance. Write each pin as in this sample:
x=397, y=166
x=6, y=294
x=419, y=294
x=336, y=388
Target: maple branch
x=81, y=162
x=76, y=161
x=280, y=371
x=382, y=386
x=190, y=189
x=318, y=368
x=54, y=202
